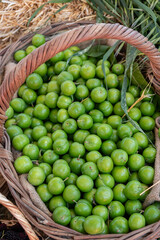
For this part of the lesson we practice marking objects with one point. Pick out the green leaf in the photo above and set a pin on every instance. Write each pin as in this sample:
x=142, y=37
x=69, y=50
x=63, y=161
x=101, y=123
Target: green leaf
x=119, y=48
x=155, y=41
x=154, y=4
x=112, y=59
x=151, y=32
x=143, y=21
x=126, y=10
x=34, y=14
x=97, y=51
x=85, y=50
x=130, y=58
x=39, y=9
x=103, y=8
x=146, y=9
x=99, y=14
x=134, y=24
x=137, y=77
x=112, y=7
x=111, y=50
x=60, y=9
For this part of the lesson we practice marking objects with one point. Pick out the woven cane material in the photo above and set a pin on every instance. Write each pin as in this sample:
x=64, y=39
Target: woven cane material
x=19, y=187
x=154, y=194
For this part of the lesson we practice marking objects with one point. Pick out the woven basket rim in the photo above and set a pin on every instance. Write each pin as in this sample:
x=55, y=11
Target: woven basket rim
x=7, y=169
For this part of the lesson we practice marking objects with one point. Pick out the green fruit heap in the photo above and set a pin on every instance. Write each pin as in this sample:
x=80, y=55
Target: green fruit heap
x=88, y=163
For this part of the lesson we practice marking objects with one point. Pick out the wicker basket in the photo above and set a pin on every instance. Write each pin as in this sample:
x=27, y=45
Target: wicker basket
x=24, y=194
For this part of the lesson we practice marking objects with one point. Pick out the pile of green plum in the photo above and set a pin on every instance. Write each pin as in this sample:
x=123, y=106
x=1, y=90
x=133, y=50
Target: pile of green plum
x=87, y=161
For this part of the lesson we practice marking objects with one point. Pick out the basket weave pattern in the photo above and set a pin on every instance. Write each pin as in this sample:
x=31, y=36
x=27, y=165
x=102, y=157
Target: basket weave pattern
x=35, y=211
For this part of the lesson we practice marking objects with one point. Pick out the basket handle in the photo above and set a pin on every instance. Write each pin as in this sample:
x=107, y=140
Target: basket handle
x=16, y=77
x=19, y=216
